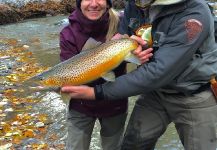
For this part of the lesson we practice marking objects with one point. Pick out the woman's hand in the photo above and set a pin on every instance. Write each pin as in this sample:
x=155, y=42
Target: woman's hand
x=79, y=92
x=143, y=54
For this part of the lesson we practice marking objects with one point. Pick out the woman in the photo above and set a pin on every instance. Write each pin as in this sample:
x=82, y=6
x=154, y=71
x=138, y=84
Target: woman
x=92, y=19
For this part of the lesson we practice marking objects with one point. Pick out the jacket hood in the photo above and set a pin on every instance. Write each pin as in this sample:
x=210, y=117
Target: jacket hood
x=166, y=2
x=89, y=27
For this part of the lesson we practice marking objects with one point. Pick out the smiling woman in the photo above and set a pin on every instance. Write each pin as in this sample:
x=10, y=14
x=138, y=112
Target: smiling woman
x=92, y=19
x=93, y=9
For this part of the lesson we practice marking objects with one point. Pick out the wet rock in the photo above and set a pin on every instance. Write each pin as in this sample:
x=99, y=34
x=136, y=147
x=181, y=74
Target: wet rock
x=6, y=66
x=3, y=47
x=4, y=70
x=37, y=9
x=8, y=14
x=14, y=11
x=31, y=141
x=11, y=13
x=62, y=23
x=68, y=5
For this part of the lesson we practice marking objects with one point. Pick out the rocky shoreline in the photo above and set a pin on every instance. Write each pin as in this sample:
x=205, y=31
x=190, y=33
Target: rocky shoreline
x=13, y=11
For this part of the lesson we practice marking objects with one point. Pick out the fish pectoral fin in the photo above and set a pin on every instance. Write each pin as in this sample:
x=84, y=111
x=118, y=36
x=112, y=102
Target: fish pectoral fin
x=90, y=44
x=110, y=76
x=133, y=59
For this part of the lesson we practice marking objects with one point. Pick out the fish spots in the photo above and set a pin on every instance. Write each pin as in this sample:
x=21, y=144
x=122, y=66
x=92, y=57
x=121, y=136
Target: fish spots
x=90, y=65
x=194, y=28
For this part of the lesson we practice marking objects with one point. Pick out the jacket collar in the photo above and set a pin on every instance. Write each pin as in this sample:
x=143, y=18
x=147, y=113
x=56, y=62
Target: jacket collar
x=166, y=2
x=167, y=9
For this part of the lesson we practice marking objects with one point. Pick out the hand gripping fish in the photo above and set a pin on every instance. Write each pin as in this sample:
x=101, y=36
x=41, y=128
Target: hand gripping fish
x=89, y=65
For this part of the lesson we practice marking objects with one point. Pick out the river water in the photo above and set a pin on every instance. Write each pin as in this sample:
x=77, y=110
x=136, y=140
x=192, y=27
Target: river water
x=41, y=35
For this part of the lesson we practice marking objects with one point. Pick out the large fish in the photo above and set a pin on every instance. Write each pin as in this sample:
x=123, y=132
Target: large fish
x=89, y=64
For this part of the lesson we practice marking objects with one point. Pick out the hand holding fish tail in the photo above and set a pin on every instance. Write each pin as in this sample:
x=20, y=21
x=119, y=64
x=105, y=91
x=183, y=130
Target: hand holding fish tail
x=79, y=92
x=142, y=52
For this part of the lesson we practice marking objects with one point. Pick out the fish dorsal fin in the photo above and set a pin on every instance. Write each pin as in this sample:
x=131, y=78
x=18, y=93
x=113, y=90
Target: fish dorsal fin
x=110, y=76
x=133, y=59
x=90, y=44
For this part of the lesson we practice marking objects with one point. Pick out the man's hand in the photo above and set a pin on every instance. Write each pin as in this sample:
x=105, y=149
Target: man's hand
x=79, y=92
x=143, y=54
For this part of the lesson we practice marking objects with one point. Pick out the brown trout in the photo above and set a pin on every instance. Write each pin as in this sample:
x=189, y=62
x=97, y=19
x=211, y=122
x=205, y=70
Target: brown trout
x=88, y=65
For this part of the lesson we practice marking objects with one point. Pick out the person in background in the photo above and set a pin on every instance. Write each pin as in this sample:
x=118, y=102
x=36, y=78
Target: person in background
x=174, y=84
x=94, y=19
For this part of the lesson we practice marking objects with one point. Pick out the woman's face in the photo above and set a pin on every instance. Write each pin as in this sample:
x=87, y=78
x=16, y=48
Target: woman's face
x=93, y=9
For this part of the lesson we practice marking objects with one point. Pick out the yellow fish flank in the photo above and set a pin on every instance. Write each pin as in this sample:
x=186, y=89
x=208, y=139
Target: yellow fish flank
x=88, y=65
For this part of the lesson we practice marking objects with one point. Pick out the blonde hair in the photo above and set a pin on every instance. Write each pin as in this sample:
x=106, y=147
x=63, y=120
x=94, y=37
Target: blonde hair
x=113, y=23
